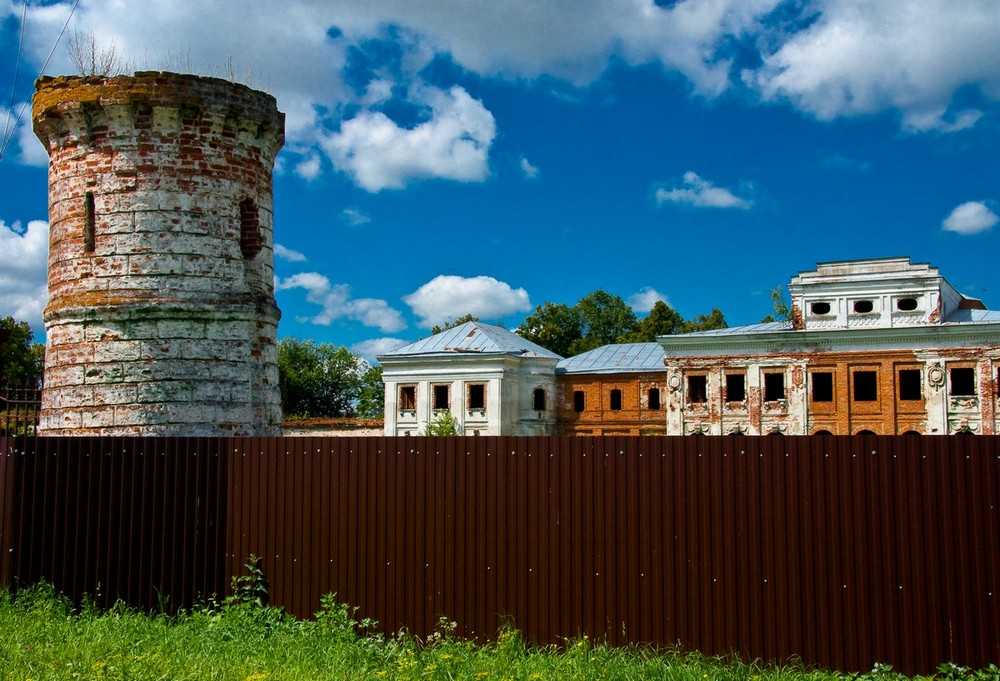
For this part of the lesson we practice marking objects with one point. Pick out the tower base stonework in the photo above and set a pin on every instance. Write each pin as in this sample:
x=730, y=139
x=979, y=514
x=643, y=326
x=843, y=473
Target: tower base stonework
x=161, y=317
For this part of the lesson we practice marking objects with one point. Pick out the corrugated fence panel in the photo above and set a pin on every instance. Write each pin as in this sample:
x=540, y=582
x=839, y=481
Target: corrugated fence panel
x=840, y=551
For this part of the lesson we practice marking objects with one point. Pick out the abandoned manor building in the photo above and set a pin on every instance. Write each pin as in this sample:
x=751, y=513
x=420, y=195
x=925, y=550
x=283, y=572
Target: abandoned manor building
x=881, y=346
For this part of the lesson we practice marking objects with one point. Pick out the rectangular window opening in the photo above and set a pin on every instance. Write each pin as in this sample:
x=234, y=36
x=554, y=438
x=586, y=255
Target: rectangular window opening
x=963, y=382
x=477, y=396
x=90, y=223
x=909, y=384
x=774, y=386
x=736, y=390
x=408, y=398
x=538, y=399
x=697, y=389
x=579, y=402
x=822, y=386
x=616, y=399
x=865, y=386
x=653, y=398
x=441, y=397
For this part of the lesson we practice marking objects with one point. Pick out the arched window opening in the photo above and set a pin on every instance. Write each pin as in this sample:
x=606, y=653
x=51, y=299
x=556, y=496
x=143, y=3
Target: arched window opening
x=538, y=399
x=616, y=399
x=90, y=223
x=250, y=241
x=654, y=398
x=823, y=432
x=866, y=432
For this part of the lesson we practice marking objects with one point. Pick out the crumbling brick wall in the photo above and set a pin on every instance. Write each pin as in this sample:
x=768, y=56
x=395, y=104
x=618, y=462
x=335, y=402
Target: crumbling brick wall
x=161, y=317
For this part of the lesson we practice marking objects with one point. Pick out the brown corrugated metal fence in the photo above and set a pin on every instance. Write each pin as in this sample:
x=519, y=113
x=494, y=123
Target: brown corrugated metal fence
x=842, y=551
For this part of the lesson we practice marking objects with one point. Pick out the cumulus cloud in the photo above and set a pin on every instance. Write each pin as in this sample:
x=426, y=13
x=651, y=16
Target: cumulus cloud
x=288, y=254
x=309, y=168
x=446, y=297
x=335, y=302
x=355, y=217
x=859, y=57
x=699, y=192
x=644, y=299
x=970, y=217
x=454, y=143
x=372, y=348
x=23, y=289
x=529, y=169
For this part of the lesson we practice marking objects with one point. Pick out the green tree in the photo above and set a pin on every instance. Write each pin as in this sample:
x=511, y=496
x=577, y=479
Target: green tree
x=781, y=311
x=453, y=323
x=444, y=424
x=554, y=326
x=21, y=361
x=606, y=318
x=706, y=322
x=371, y=394
x=662, y=320
x=318, y=379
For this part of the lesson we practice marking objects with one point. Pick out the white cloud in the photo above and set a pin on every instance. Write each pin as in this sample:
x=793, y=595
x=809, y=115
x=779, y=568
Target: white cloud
x=355, y=217
x=288, y=254
x=529, y=169
x=446, y=297
x=336, y=303
x=454, y=143
x=697, y=191
x=23, y=266
x=970, y=217
x=372, y=348
x=645, y=298
x=378, y=91
x=309, y=168
x=29, y=150
x=860, y=56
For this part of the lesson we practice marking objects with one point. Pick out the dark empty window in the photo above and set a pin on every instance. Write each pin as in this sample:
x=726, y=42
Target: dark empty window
x=822, y=386
x=963, y=381
x=736, y=390
x=906, y=304
x=653, y=398
x=616, y=399
x=441, y=398
x=250, y=241
x=89, y=223
x=865, y=386
x=579, y=401
x=909, y=384
x=821, y=308
x=863, y=306
x=477, y=396
x=538, y=399
x=408, y=398
x=774, y=386
x=697, y=389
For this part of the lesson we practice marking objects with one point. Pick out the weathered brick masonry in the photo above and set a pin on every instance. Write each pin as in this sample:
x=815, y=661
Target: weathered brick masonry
x=161, y=317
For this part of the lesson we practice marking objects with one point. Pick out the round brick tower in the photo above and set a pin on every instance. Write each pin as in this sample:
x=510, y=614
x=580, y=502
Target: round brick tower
x=161, y=317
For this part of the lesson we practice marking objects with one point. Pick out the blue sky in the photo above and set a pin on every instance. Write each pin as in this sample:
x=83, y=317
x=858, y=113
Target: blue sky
x=451, y=157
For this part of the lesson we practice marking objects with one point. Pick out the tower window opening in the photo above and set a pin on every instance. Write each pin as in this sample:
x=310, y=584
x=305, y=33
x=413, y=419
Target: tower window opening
x=863, y=306
x=250, y=240
x=90, y=223
x=820, y=308
x=906, y=304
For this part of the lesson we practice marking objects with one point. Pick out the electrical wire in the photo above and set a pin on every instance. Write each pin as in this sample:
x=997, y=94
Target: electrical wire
x=17, y=69
x=45, y=65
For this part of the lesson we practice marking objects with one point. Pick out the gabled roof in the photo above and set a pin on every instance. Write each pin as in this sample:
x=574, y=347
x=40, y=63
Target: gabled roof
x=615, y=358
x=473, y=338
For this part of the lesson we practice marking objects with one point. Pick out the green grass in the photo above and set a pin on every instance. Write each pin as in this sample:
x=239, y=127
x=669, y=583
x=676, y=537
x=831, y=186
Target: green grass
x=41, y=637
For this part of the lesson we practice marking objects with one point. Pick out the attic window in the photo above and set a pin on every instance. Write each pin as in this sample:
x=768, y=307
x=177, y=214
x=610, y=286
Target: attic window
x=906, y=304
x=250, y=241
x=863, y=306
x=616, y=400
x=538, y=399
x=820, y=308
x=89, y=225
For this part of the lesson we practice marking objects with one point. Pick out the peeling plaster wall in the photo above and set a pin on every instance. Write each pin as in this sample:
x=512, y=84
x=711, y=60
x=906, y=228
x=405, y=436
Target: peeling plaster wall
x=165, y=326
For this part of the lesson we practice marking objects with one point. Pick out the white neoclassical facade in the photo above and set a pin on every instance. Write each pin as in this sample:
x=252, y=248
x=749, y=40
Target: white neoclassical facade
x=491, y=380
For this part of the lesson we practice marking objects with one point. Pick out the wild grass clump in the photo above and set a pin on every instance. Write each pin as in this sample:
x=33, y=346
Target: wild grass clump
x=43, y=637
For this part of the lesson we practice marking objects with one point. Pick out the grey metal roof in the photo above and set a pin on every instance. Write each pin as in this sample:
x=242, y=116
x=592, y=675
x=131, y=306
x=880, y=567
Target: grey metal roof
x=474, y=337
x=616, y=358
x=973, y=317
x=763, y=327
